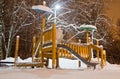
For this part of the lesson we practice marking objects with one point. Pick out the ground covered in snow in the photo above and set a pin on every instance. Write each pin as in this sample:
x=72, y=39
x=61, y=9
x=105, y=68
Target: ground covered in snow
x=68, y=70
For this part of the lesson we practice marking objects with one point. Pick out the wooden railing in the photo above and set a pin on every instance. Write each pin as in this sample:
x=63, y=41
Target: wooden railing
x=82, y=50
x=101, y=53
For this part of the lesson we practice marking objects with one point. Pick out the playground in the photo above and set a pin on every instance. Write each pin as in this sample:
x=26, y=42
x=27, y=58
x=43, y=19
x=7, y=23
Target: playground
x=49, y=46
x=53, y=58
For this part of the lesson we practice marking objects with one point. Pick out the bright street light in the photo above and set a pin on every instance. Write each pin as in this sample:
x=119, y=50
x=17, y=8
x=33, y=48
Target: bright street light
x=57, y=7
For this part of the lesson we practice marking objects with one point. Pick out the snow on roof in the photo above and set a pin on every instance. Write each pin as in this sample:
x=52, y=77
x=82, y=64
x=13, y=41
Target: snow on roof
x=88, y=27
x=40, y=8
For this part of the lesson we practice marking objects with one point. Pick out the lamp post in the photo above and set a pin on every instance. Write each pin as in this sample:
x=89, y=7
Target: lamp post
x=55, y=59
x=42, y=8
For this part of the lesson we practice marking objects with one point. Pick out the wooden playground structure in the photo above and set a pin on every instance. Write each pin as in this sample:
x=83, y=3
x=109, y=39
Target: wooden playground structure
x=49, y=48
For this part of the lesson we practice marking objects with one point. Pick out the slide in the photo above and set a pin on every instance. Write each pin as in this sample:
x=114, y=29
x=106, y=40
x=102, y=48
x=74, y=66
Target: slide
x=77, y=55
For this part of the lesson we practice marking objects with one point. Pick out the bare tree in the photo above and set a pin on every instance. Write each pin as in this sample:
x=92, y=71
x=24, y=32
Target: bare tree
x=114, y=43
x=1, y=25
x=20, y=18
x=77, y=12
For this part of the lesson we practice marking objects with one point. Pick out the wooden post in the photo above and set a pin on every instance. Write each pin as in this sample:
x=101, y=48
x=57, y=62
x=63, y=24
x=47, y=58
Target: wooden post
x=75, y=48
x=97, y=43
x=102, y=51
x=42, y=39
x=16, y=50
x=83, y=51
x=104, y=57
x=79, y=63
x=54, y=46
x=33, y=48
x=87, y=51
x=87, y=37
x=79, y=47
x=57, y=58
x=40, y=52
x=90, y=55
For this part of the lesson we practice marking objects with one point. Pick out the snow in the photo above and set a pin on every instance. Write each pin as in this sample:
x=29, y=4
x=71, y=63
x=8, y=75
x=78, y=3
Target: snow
x=28, y=60
x=11, y=59
x=110, y=71
x=42, y=8
x=112, y=67
x=67, y=63
x=63, y=62
x=90, y=27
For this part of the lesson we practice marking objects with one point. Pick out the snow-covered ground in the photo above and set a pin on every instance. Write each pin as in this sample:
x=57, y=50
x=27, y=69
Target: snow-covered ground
x=64, y=63
x=70, y=70
x=10, y=59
